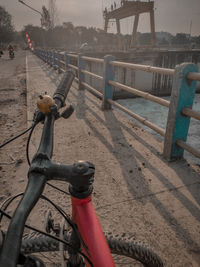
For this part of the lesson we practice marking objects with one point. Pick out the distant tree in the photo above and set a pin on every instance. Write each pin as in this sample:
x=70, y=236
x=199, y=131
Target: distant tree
x=163, y=38
x=145, y=39
x=6, y=27
x=196, y=39
x=163, y=41
x=181, y=39
x=57, y=37
x=70, y=35
x=68, y=25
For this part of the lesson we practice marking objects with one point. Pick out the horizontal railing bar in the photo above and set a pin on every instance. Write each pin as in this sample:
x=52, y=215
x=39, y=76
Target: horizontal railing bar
x=189, y=148
x=191, y=113
x=138, y=117
x=143, y=67
x=194, y=76
x=92, y=89
x=148, y=96
x=72, y=55
x=72, y=66
x=191, y=75
x=92, y=74
x=62, y=62
x=93, y=59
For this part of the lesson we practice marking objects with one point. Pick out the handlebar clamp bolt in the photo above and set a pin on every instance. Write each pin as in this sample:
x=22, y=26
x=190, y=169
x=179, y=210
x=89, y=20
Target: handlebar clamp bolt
x=81, y=167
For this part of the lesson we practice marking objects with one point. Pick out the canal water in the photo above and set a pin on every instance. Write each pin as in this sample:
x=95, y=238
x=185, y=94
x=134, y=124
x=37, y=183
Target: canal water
x=157, y=114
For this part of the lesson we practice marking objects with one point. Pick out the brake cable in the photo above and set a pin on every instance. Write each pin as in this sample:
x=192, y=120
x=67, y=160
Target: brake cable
x=17, y=136
x=51, y=236
x=28, y=142
x=9, y=200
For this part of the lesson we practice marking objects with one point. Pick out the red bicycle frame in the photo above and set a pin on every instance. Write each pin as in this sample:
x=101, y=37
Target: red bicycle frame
x=84, y=215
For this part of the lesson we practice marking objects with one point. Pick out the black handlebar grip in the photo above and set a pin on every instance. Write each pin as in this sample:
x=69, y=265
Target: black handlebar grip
x=64, y=86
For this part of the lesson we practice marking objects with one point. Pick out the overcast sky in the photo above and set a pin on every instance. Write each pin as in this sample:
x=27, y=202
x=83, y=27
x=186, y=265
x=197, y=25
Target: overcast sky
x=173, y=16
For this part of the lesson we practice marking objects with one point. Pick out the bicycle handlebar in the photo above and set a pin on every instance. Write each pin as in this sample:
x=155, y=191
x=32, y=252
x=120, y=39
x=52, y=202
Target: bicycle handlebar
x=36, y=182
x=64, y=86
x=12, y=243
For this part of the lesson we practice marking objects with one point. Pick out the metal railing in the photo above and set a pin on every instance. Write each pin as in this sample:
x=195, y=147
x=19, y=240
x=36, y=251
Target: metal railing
x=180, y=105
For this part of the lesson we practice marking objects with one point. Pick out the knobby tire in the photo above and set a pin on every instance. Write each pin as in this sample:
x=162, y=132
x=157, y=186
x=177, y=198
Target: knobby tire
x=119, y=245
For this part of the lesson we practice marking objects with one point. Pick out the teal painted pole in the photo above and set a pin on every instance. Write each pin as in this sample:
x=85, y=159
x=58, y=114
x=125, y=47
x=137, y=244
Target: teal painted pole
x=81, y=65
x=67, y=61
x=54, y=60
x=182, y=96
x=59, y=57
x=51, y=58
x=46, y=56
x=108, y=74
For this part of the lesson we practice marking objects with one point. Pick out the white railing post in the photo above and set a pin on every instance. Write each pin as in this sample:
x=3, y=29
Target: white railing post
x=108, y=74
x=67, y=61
x=81, y=65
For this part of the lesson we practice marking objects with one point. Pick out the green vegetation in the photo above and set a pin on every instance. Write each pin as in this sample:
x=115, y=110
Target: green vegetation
x=6, y=27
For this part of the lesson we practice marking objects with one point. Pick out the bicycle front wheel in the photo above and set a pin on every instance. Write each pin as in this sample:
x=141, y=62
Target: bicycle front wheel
x=126, y=252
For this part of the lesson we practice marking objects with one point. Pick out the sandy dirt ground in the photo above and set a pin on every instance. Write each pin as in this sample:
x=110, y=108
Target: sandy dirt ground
x=135, y=191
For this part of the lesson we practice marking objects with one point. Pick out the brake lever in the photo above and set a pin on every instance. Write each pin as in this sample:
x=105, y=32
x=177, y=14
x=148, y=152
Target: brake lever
x=38, y=116
x=67, y=112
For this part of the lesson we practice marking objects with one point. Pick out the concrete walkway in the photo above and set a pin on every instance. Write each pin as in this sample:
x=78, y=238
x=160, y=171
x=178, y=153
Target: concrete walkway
x=136, y=190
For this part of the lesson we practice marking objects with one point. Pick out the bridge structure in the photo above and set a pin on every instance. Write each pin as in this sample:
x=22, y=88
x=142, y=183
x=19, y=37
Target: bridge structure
x=180, y=106
x=128, y=9
x=136, y=189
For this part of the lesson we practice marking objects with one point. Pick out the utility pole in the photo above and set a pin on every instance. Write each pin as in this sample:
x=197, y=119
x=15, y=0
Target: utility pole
x=190, y=28
x=22, y=2
x=44, y=17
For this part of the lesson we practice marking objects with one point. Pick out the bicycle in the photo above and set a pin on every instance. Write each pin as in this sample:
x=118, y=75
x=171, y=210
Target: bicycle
x=80, y=236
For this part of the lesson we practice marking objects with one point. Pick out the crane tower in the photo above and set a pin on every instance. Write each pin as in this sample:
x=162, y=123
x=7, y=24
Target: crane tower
x=128, y=9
